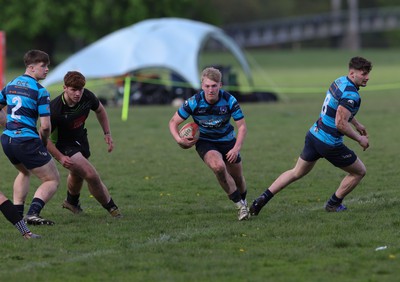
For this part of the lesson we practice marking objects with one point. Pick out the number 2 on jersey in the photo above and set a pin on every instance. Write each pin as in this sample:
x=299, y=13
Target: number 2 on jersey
x=18, y=104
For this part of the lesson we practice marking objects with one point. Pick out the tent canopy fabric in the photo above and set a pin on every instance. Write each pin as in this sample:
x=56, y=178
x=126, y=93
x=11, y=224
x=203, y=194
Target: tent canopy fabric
x=170, y=43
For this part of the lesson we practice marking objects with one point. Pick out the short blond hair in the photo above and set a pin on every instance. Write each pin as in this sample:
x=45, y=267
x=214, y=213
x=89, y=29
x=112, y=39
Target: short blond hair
x=211, y=73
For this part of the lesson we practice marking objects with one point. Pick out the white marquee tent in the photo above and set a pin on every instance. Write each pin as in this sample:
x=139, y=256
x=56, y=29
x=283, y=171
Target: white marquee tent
x=170, y=43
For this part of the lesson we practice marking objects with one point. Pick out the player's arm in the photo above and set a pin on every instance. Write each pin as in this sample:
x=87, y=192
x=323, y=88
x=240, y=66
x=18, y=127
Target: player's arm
x=359, y=127
x=64, y=160
x=45, y=129
x=344, y=126
x=232, y=155
x=174, y=123
x=102, y=117
x=242, y=132
x=3, y=115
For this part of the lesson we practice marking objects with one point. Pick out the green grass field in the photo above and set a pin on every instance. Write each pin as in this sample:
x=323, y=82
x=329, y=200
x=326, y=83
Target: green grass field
x=178, y=224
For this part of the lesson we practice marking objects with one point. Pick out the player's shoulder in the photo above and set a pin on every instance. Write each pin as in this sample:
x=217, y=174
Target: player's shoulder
x=87, y=92
x=198, y=97
x=23, y=80
x=340, y=82
x=346, y=84
x=56, y=102
x=193, y=100
x=14, y=80
x=226, y=96
x=32, y=83
x=351, y=90
x=89, y=95
x=57, y=98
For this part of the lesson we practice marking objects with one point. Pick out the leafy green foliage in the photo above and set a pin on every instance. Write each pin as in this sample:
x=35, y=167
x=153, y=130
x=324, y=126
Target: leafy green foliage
x=62, y=27
x=70, y=25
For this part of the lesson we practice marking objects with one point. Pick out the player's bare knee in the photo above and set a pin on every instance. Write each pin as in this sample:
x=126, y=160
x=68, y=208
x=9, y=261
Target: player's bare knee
x=362, y=172
x=218, y=168
x=93, y=179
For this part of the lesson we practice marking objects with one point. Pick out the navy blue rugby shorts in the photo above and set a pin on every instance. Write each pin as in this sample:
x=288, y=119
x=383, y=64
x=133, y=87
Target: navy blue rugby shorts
x=203, y=146
x=314, y=149
x=30, y=152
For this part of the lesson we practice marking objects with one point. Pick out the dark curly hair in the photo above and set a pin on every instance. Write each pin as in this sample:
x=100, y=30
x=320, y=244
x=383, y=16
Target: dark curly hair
x=74, y=79
x=360, y=63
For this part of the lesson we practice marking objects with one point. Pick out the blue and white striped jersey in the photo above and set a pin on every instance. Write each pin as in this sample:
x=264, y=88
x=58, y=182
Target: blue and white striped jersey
x=26, y=101
x=213, y=119
x=341, y=92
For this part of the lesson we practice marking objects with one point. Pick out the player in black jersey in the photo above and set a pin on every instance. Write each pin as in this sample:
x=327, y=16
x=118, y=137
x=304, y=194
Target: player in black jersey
x=69, y=143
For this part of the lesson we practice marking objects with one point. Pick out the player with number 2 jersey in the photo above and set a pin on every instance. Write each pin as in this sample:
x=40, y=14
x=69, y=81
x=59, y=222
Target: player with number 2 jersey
x=26, y=99
x=23, y=142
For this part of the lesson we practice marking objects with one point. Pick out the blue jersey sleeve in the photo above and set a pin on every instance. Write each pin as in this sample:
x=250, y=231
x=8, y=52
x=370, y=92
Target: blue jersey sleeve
x=351, y=100
x=187, y=108
x=237, y=113
x=44, y=103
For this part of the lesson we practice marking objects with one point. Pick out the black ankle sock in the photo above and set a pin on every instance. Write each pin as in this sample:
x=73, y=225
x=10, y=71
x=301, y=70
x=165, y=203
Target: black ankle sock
x=73, y=199
x=334, y=200
x=235, y=197
x=10, y=212
x=243, y=195
x=267, y=195
x=36, y=206
x=110, y=205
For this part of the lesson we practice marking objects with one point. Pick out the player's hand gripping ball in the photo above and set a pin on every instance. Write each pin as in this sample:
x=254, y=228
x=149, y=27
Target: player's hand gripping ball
x=190, y=131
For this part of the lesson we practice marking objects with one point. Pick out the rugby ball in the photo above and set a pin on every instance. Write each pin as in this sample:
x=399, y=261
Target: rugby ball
x=190, y=130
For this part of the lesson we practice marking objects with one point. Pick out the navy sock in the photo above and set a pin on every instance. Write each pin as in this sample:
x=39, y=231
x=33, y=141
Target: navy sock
x=110, y=205
x=334, y=201
x=36, y=206
x=235, y=197
x=267, y=195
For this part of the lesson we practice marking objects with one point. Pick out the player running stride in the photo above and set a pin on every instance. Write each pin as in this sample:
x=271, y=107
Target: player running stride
x=69, y=144
x=212, y=109
x=325, y=139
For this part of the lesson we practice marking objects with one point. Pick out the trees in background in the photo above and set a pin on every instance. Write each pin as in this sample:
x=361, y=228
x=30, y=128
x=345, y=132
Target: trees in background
x=69, y=25
x=65, y=26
